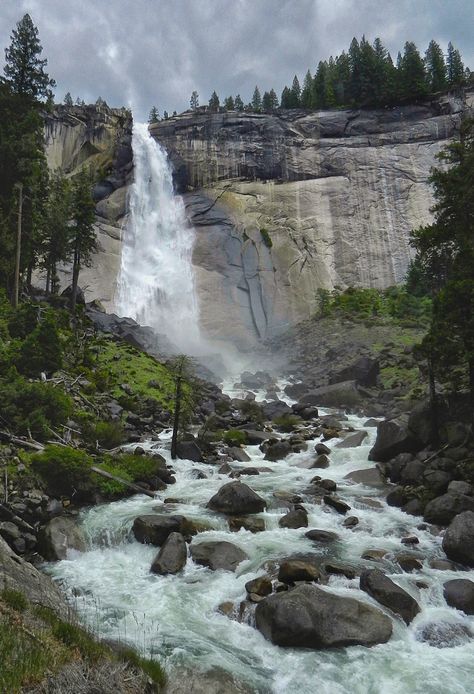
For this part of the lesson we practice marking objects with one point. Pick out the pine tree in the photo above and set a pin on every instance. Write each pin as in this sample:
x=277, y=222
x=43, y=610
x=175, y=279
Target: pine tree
x=307, y=93
x=165, y=115
x=154, y=115
x=354, y=90
x=256, y=100
x=214, y=103
x=68, y=99
x=455, y=67
x=238, y=103
x=82, y=239
x=295, y=93
x=273, y=100
x=229, y=103
x=55, y=229
x=285, y=100
x=413, y=81
x=24, y=70
x=194, y=100
x=435, y=67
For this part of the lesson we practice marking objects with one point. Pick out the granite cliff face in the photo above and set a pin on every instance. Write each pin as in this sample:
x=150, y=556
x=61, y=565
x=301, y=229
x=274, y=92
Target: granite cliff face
x=99, y=137
x=284, y=204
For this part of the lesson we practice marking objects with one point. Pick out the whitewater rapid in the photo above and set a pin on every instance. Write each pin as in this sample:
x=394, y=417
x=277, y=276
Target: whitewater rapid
x=156, y=282
x=176, y=618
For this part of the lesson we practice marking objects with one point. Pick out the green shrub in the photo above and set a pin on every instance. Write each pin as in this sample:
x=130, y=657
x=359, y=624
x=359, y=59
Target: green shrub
x=129, y=467
x=41, y=350
x=152, y=668
x=106, y=434
x=266, y=238
x=235, y=437
x=32, y=406
x=66, y=471
x=287, y=422
x=253, y=411
x=78, y=638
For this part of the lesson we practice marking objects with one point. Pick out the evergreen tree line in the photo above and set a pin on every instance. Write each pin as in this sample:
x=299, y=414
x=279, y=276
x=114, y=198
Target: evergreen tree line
x=364, y=76
x=45, y=219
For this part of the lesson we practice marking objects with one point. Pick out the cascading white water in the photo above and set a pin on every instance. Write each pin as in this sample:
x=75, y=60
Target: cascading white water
x=156, y=285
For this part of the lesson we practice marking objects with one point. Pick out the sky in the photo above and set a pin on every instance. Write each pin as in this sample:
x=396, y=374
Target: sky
x=144, y=53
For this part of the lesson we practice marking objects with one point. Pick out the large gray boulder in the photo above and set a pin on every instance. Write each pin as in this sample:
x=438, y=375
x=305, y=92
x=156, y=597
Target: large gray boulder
x=458, y=541
x=393, y=437
x=154, y=529
x=172, y=556
x=344, y=394
x=459, y=593
x=381, y=588
x=353, y=440
x=309, y=617
x=443, y=509
x=218, y=555
x=189, y=450
x=278, y=451
x=236, y=498
x=364, y=371
x=59, y=536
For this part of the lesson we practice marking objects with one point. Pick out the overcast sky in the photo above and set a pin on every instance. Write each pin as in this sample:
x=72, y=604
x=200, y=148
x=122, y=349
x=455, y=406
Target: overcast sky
x=142, y=53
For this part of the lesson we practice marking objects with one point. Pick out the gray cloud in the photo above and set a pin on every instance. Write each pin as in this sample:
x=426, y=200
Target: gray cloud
x=146, y=52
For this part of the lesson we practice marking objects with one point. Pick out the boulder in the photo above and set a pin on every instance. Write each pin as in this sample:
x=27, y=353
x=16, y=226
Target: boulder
x=236, y=498
x=297, y=570
x=458, y=541
x=353, y=440
x=387, y=593
x=443, y=509
x=218, y=555
x=460, y=487
x=189, y=450
x=412, y=473
x=275, y=408
x=364, y=371
x=154, y=529
x=309, y=617
x=321, y=462
x=59, y=536
x=370, y=477
x=336, y=503
x=322, y=536
x=409, y=562
x=344, y=394
x=254, y=437
x=321, y=449
x=459, y=593
x=238, y=454
x=350, y=522
x=259, y=586
x=444, y=634
x=294, y=519
x=278, y=451
x=172, y=555
x=393, y=437
x=254, y=525
x=338, y=568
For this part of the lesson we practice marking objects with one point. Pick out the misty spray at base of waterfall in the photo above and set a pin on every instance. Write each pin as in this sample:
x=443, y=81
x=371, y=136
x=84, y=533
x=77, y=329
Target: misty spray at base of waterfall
x=156, y=285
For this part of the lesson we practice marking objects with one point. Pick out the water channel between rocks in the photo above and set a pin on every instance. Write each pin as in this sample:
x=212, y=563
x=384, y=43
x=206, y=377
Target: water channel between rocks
x=176, y=618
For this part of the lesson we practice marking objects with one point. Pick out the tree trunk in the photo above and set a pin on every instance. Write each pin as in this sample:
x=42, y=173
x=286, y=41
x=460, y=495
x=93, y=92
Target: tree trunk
x=433, y=403
x=177, y=412
x=75, y=279
x=48, y=279
x=471, y=389
x=16, y=280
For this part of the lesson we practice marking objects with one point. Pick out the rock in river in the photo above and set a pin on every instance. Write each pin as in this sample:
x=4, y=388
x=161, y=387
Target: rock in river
x=309, y=617
x=458, y=542
x=218, y=555
x=387, y=593
x=172, y=555
x=236, y=498
x=58, y=536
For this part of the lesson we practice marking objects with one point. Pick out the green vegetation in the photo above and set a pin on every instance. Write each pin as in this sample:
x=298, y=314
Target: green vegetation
x=395, y=303
x=235, y=437
x=104, y=434
x=266, y=238
x=14, y=599
x=153, y=668
x=287, y=422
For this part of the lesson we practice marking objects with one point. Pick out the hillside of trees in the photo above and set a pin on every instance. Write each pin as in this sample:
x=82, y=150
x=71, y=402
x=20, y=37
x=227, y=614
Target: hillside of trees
x=364, y=76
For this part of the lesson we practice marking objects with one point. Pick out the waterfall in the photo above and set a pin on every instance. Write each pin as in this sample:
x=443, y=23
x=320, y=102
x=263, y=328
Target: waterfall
x=156, y=285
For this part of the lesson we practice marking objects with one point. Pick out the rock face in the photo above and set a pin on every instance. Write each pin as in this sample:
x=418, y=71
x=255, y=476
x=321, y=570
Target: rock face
x=308, y=617
x=286, y=203
x=387, y=593
x=458, y=541
x=100, y=137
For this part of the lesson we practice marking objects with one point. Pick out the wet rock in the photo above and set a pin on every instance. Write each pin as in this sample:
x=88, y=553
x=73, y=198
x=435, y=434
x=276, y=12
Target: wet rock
x=254, y=525
x=459, y=593
x=290, y=497
x=254, y=437
x=414, y=507
x=238, y=454
x=275, y=408
x=259, y=586
x=336, y=503
x=412, y=473
x=411, y=540
x=294, y=519
x=374, y=554
x=444, y=634
x=338, y=568
x=172, y=555
x=443, y=509
x=353, y=440
x=350, y=522
x=393, y=437
x=58, y=536
x=278, y=451
x=458, y=541
x=442, y=565
x=189, y=450
x=460, y=487
x=369, y=502
x=226, y=608
x=329, y=485
x=397, y=497
x=371, y=422
x=308, y=617
x=382, y=589
x=296, y=570
x=321, y=462
x=154, y=529
x=408, y=562
x=217, y=555
x=236, y=498
x=10, y=532
x=343, y=394
x=322, y=536
x=437, y=480
x=370, y=477
x=322, y=449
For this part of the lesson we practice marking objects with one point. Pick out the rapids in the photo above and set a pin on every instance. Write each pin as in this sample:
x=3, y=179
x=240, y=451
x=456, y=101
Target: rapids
x=175, y=618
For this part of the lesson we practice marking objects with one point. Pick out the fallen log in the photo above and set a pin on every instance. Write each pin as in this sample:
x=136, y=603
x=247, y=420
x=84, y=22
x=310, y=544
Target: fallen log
x=5, y=436
x=125, y=483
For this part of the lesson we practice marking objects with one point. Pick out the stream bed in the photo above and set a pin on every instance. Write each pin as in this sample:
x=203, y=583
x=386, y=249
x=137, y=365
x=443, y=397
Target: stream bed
x=176, y=618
